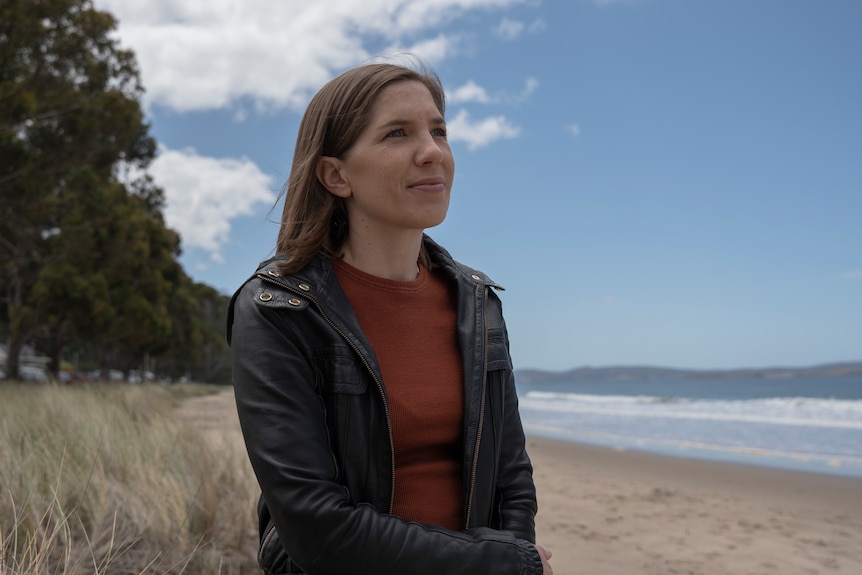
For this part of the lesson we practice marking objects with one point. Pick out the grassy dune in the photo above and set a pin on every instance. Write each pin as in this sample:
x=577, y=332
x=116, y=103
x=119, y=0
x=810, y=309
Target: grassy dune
x=109, y=479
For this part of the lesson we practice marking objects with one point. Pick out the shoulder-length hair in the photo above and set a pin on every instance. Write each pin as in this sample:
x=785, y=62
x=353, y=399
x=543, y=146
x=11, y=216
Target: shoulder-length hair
x=314, y=221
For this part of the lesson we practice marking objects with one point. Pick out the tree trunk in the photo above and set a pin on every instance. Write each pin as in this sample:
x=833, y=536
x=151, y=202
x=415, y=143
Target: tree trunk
x=15, y=337
x=56, y=351
x=13, y=352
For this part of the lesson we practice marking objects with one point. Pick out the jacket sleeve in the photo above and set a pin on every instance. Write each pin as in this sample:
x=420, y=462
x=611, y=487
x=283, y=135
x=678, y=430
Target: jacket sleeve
x=283, y=422
x=515, y=489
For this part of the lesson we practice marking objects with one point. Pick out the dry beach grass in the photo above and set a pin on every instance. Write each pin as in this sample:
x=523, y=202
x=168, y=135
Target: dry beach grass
x=107, y=479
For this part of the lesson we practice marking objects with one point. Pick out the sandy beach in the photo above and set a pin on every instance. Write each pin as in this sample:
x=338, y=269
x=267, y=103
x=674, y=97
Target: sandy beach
x=605, y=512
x=609, y=512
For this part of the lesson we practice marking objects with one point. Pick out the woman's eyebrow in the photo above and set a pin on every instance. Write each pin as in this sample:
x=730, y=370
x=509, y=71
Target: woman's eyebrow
x=401, y=122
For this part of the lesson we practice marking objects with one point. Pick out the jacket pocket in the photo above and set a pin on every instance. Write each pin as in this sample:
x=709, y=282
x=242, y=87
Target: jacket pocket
x=339, y=371
x=498, y=350
x=272, y=557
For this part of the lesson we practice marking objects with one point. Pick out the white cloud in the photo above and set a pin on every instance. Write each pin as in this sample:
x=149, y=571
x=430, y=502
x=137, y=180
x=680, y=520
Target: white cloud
x=435, y=49
x=513, y=29
x=478, y=134
x=208, y=54
x=574, y=129
x=472, y=92
x=469, y=92
x=509, y=29
x=530, y=86
x=203, y=195
x=538, y=25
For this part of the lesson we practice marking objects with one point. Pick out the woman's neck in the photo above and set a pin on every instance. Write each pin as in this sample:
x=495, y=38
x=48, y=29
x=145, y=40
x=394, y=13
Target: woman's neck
x=394, y=260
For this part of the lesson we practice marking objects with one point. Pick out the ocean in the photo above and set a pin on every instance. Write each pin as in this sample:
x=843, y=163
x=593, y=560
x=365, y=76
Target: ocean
x=803, y=423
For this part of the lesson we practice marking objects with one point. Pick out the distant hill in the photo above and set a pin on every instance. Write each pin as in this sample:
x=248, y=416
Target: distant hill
x=532, y=377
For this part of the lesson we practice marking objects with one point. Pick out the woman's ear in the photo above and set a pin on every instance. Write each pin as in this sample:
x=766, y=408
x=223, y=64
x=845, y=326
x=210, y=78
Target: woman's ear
x=329, y=174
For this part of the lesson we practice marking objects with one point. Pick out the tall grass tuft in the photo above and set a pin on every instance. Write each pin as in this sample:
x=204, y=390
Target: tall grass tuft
x=107, y=479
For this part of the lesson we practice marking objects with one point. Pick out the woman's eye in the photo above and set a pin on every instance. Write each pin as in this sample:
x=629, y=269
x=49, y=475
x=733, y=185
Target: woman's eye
x=399, y=133
x=439, y=132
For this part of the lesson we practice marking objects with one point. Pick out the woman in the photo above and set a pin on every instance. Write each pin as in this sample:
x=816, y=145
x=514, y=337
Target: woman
x=372, y=374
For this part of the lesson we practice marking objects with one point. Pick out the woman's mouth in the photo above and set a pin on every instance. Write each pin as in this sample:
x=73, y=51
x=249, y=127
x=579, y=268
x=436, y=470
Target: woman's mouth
x=429, y=185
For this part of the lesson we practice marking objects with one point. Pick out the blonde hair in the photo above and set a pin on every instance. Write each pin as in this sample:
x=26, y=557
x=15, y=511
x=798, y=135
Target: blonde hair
x=314, y=221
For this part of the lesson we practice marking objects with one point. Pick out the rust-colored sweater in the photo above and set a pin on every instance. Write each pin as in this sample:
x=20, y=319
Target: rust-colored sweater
x=412, y=327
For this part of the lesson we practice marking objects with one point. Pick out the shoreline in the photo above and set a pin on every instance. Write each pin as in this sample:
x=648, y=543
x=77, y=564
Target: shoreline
x=839, y=465
x=606, y=511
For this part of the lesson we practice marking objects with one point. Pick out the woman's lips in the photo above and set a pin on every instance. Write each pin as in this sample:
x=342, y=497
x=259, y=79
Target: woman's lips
x=429, y=185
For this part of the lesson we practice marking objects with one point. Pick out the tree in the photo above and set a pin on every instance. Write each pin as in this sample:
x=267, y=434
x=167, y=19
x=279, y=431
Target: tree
x=142, y=273
x=104, y=239
x=198, y=348
x=69, y=105
x=70, y=296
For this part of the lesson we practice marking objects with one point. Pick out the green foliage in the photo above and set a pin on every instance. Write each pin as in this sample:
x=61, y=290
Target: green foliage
x=198, y=348
x=86, y=258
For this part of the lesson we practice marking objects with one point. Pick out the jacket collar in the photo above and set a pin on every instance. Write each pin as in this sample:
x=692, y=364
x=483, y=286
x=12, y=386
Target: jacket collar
x=314, y=278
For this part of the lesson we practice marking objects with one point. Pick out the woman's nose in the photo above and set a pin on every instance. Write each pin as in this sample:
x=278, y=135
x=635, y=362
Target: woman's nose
x=429, y=150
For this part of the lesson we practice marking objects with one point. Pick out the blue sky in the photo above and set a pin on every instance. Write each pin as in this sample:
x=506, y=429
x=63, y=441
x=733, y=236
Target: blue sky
x=659, y=182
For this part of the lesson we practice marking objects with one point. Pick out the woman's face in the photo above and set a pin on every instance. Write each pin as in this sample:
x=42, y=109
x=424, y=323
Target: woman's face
x=398, y=174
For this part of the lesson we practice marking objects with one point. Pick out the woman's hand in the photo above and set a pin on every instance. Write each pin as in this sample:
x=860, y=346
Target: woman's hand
x=545, y=554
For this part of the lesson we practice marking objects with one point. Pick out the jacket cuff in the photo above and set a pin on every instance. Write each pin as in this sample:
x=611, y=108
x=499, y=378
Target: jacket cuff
x=530, y=556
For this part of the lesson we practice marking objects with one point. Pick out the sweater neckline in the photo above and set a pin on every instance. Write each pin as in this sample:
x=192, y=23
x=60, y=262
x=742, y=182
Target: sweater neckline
x=364, y=278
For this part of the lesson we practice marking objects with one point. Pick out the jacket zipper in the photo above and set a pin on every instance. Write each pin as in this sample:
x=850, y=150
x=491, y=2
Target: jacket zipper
x=475, y=464
x=265, y=542
x=367, y=365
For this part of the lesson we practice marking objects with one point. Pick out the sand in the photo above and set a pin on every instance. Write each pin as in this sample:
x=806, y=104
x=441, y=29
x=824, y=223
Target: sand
x=604, y=512
x=609, y=512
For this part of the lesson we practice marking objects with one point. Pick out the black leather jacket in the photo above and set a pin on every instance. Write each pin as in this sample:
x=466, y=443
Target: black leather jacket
x=315, y=418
